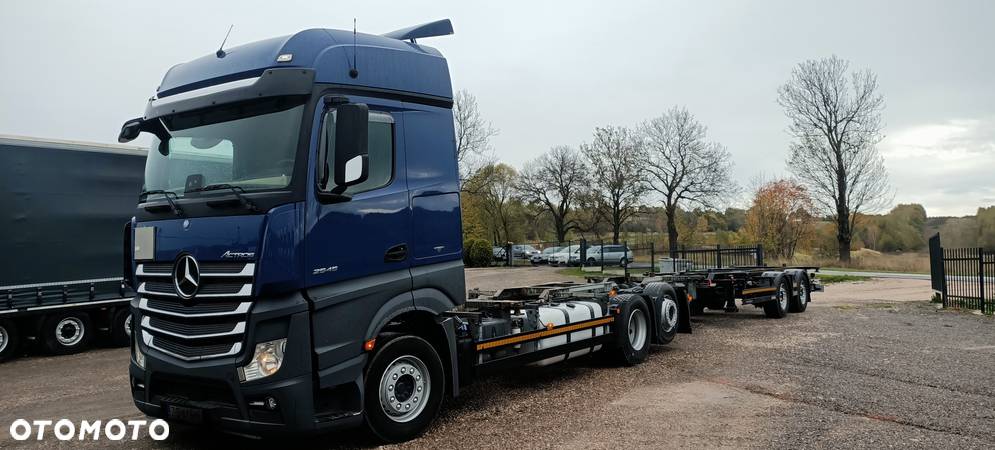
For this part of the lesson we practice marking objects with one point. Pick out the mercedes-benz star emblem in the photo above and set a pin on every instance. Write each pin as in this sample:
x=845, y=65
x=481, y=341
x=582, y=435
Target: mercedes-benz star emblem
x=186, y=277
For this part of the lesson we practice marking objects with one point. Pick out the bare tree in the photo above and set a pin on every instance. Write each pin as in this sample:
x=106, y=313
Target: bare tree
x=682, y=166
x=496, y=199
x=617, y=184
x=553, y=182
x=473, y=135
x=836, y=121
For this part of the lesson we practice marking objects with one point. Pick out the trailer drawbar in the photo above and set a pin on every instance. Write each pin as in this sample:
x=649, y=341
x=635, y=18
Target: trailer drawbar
x=297, y=251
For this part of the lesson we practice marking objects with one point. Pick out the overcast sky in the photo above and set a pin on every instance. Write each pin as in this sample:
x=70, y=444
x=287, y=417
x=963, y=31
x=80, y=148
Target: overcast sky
x=546, y=73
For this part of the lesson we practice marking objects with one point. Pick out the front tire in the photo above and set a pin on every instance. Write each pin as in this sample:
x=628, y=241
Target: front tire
x=10, y=340
x=66, y=333
x=778, y=308
x=405, y=385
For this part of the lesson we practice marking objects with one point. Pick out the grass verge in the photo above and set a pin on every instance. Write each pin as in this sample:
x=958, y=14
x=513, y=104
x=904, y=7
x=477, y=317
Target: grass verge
x=833, y=279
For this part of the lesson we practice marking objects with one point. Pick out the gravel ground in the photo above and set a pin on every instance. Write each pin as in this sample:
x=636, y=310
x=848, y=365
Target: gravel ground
x=869, y=365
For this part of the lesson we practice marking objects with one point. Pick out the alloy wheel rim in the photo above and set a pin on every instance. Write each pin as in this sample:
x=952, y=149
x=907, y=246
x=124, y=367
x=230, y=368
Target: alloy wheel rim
x=3, y=339
x=782, y=296
x=637, y=329
x=404, y=388
x=69, y=331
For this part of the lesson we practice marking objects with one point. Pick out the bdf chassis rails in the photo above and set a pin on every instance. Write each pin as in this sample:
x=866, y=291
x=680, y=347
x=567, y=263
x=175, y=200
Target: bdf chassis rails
x=548, y=323
x=778, y=290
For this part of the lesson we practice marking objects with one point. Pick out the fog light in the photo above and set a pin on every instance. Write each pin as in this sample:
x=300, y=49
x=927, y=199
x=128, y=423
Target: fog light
x=266, y=360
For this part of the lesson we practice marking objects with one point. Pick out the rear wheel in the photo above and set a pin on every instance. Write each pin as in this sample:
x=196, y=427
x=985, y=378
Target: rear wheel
x=405, y=384
x=666, y=313
x=799, y=303
x=632, y=330
x=778, y=307
x=66, y=333
x=9, y=340
x=623, y=262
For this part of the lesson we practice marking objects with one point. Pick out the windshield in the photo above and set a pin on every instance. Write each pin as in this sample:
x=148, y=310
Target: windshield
x=250, y=145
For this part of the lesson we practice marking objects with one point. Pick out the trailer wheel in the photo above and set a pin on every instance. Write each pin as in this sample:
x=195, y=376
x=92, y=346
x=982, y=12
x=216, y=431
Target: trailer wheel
x=9, y=340
x=121, y=328
x=799, y=303
x=632, y=330
x=405, y=384
x=666, y=313
x=778, y=307
x=66, y=333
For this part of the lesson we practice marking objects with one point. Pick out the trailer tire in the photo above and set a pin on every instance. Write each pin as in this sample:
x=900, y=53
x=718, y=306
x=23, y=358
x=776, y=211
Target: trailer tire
x=66, y=333
x=120, y=335
x=799, y=303
x=632, y=331
x=666, y=313
x=10, y=340
x=408, y=365
x=778, y=307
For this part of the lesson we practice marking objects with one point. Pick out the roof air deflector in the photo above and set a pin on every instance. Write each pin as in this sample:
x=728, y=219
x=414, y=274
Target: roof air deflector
x=432, y=29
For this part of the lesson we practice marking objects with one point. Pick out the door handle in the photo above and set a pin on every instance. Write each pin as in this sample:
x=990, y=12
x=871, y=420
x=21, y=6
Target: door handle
x=396, y=253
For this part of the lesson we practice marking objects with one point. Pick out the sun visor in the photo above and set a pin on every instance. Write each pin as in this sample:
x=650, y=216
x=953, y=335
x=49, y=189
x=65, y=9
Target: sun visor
x=270, y=83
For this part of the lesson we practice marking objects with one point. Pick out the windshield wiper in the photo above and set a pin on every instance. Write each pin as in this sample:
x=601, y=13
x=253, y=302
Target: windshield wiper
x=168, y=195
x=237, y=190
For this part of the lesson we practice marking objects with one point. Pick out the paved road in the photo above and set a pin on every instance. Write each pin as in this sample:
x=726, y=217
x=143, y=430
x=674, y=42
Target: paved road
x=869, y=365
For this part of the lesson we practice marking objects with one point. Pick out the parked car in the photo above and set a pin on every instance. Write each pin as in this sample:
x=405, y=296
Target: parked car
x=499, y=253
x=523, y=251
x=566, y=256
x=543, y=256
x=610, y=254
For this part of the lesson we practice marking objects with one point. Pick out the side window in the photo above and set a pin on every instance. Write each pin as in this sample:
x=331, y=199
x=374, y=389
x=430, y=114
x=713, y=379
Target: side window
x=381, y=152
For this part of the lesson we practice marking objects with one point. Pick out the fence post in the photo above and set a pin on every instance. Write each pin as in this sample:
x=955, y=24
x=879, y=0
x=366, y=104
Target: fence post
x=652, y=259
x=625, y=268
x=718, y=256
x=981, y=278
x=602, y=256
x=760, y=255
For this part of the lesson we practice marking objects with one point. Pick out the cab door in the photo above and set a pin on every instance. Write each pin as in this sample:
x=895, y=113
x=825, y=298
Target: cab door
x=356, y=251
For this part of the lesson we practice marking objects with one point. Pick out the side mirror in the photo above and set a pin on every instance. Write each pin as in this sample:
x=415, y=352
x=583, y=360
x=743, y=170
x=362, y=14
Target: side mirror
x=351, y=144
x=130, y=130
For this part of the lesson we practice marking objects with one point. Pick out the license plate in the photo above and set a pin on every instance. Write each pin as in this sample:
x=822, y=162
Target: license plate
x=184, y=414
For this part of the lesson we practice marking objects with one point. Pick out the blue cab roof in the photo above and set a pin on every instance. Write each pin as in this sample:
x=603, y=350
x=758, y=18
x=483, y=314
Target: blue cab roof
x=382, y=63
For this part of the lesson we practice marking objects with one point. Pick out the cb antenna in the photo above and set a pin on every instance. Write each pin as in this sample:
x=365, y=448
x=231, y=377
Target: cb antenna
x=354, y=71
x=221, y=50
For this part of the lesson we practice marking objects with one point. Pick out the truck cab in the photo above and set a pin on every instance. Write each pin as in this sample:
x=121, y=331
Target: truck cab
x=301, y=198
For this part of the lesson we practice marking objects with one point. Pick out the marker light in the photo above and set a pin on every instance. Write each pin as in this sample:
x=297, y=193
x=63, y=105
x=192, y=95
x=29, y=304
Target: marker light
x=266, y=360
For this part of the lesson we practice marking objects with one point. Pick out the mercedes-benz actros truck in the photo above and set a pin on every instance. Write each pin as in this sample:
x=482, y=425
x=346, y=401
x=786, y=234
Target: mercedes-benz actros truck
x=297, y=248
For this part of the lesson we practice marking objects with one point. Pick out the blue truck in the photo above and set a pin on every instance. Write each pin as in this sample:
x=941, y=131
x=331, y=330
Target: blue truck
x=297, y=248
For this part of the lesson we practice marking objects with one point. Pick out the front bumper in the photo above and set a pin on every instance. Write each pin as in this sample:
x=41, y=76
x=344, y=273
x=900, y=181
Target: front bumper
x=209, y=392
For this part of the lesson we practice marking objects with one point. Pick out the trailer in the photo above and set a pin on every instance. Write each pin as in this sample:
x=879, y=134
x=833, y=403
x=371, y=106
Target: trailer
x=65, y=206
x=778, y=290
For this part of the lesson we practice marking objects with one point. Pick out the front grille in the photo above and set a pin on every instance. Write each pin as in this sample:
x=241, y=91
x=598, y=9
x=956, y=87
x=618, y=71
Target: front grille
x=209, y=325
x=196, y=309
x=192, y=351
x=191, y=329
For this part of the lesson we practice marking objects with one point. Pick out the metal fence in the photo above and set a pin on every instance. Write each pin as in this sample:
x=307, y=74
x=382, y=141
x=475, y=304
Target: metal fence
x=964, y=277
x=607, y=257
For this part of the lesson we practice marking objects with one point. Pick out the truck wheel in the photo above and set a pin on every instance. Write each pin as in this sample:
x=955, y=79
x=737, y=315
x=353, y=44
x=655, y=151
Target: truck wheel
x=778, y=307
x=66, y=333
x=404, y=389
x=9, y=340
x=632, y=329
x=121, y=328
x=799, y=303
x=663, y=298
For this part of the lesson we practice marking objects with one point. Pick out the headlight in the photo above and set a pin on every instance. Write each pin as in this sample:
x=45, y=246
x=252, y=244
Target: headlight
x=139, y=356
x=266, y=360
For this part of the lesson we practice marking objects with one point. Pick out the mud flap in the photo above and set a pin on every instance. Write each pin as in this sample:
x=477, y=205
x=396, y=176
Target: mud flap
x=684, y=309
